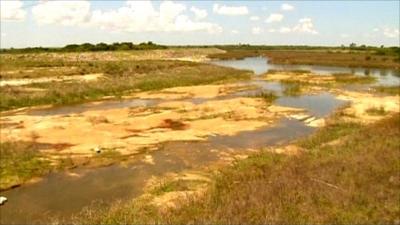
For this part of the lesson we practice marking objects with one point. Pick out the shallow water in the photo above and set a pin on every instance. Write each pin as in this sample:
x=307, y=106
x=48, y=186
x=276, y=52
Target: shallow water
x=261, y=65
x=103, y=105
x=63, y=195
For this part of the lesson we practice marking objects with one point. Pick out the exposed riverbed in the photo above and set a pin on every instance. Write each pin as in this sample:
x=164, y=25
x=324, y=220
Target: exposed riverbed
x=65, y=193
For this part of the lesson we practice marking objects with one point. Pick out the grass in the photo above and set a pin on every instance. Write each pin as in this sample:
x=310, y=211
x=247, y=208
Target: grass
x=291, y=89
x=351, y=78
x=355, y=181
x=121, y=77
x=19, y=162
x=391, y=90
x=346, y=59
x=174, y=185
x=267, y=96
x=376, y=111
x=314, y=57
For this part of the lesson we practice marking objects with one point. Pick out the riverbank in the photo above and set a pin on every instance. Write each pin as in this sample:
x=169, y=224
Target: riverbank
x=367, y=59
x=327, y=180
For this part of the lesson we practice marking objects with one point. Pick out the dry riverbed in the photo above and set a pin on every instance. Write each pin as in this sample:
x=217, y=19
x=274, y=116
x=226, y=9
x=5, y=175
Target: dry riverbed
x=192, y=113
x=129, y=131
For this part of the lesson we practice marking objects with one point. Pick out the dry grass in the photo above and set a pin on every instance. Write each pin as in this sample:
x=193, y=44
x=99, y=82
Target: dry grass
x=332, y=59
x=355, y=181
x=121, y=77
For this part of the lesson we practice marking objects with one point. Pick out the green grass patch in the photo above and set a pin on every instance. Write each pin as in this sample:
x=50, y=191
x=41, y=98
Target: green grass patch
x=376, y=111
x=391, y=90
x=267, y=96
x=329, y=133
x=19, y=162
x=291, y=89
x=351, y=78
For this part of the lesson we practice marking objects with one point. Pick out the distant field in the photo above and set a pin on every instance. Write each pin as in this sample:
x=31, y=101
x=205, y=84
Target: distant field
x=364, y=59
x=329, y=56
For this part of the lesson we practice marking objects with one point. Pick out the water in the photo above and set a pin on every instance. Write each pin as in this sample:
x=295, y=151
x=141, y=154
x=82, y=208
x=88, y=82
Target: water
x=320, y=105
x=63, y=195
x=60, y=194
x=260, y=65
x=103, y=105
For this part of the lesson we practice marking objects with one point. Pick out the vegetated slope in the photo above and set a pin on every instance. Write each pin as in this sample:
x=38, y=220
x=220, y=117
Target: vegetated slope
x=355, y=181
x=348, y=174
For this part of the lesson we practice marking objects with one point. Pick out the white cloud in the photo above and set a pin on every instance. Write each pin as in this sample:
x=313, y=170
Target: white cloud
x=344, y=35
x=12, y=10
x=234, y=31
x=141, y=16
x=230, y=10
x=376, y=29
x=183, y=23
x=305, y=25
x=199, y=13
x=287, y=7
x=391, y=33
x=256, y=30
x=271, y=30
x=254, y=18
x=62, y=12
x=274, y=17
x=285, y=30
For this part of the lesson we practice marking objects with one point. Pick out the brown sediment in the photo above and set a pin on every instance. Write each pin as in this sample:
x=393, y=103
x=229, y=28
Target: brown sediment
x=130, y=129
x=19, y=82
x=361, y=102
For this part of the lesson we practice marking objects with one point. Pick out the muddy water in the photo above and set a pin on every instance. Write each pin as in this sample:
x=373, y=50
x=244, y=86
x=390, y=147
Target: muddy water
x=104, y=105
x=63, y=194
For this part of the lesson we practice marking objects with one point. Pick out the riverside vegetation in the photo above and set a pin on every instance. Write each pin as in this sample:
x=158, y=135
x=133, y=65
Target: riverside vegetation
x=329, y=182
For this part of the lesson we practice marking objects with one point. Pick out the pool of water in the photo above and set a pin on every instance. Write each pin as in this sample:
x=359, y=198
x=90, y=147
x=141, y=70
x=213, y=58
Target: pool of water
x=260, y=65
x=103, y=105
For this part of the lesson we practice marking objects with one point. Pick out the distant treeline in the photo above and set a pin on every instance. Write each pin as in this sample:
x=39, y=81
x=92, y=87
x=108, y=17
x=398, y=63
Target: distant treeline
x=87, y=47
x=382, y=50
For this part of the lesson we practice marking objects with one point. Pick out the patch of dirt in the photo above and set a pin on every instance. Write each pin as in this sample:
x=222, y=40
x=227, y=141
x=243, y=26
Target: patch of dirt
x=300, y=77
x=19, y=82
x=362, y=102
x=203, y=91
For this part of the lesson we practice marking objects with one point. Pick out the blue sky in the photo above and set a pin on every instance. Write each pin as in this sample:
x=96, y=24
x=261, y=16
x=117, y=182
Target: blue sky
x=57, y=23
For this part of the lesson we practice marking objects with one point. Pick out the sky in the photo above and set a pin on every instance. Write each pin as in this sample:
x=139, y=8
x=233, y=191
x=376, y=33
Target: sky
x=57, y=23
